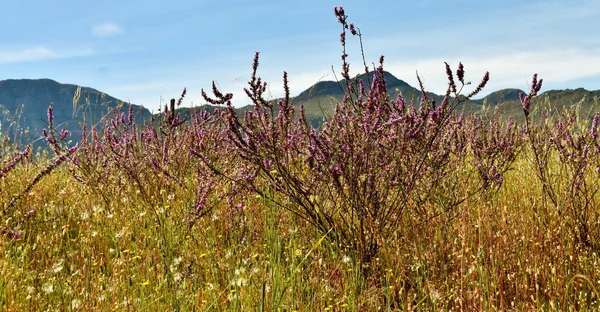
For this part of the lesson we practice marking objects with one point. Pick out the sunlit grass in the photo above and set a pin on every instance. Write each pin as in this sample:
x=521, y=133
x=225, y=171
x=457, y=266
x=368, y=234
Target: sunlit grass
x=504, y=250
x=390, y=207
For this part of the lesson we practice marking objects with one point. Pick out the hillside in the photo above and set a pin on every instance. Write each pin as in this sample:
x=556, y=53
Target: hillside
x=24, y=102
x=319, y=100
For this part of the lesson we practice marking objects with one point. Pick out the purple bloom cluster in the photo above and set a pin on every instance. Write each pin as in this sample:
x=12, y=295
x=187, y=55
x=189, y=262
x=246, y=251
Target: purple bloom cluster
x=377, y=165
x=11, y=164
x=535, y=88
x=374, y=161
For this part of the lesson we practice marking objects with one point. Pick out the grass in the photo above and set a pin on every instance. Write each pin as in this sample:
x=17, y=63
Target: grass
x=388, y=207
x=504, y=251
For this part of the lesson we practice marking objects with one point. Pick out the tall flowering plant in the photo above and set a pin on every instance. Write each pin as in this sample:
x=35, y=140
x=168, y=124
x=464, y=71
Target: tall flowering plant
x=566, y=153
x=373, y=168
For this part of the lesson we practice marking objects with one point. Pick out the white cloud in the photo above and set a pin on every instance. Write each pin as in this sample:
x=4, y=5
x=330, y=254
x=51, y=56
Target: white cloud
x=30, y=54
x=153, y=94
x=38, y=54
x=509, y=70
x=106, y=30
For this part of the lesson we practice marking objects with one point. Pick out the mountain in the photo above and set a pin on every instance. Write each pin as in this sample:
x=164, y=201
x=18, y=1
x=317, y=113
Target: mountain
x=585, y=103
x=331, y=90
x=24, y=103
x=503, y=95
x=319, y=100
x=336, y=90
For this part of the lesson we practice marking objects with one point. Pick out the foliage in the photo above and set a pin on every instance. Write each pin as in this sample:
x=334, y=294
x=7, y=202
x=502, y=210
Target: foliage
x=393, y=203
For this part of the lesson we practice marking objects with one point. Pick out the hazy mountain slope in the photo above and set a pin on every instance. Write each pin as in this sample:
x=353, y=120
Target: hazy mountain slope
x=24, y=102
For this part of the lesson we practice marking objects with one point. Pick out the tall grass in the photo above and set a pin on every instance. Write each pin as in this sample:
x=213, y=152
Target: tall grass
x=392, y=205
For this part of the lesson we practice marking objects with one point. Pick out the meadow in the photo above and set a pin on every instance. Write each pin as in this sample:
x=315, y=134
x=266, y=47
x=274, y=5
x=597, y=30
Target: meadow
x=391, y=204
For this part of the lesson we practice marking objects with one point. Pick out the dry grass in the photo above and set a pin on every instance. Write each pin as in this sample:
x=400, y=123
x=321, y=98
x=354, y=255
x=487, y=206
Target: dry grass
x=505, y=250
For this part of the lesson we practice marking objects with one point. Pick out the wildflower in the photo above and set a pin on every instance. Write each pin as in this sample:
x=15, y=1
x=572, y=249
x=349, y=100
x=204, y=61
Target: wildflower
x=435, y=295
x=232, y=295
x=14, y=161
x=460, y=73
x=48, y=287
x=11, y=234
x=75, y=304
x=451, y=83
x=481, y=85
x=177, y=261
x=535, y=88
x=177, y=277
x=239, y=271
x=353, y=30
x=57, y=267
x=341, y=15
x=63, y=134
x=240, y=282
x=50, y=114
x=122, y=232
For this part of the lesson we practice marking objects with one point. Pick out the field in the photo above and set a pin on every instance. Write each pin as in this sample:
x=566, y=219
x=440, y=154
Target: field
x=389, y=205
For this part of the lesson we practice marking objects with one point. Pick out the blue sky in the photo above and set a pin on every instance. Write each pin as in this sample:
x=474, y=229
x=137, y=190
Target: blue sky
x=145, y=51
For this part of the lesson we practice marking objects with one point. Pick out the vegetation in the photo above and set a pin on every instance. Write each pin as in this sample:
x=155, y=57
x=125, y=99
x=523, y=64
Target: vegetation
x=393, y=203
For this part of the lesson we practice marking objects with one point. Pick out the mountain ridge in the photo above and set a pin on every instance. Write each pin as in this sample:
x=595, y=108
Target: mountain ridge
x=23, y=102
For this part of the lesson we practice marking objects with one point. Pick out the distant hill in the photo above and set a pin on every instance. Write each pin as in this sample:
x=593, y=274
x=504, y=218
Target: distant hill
x=24, y=102
x=335, y=91
x=586, y=103
x=503, y=95
x=319, y=100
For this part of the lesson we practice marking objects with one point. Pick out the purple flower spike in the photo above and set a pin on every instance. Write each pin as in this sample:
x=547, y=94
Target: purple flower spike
x=341, y=15
x=451, y=82
x=353, y=30
x=63, y=134
x=460, y=73
x=50, y=114
x=481, y=85
x=29, y=214
x=535, y=88
x=11, y=234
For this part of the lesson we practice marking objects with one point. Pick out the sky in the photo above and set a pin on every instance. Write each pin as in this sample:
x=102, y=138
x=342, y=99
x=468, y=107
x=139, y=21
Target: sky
x=146, y=52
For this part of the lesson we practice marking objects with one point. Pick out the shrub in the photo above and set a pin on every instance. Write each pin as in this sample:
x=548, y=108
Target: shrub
x=379, y=165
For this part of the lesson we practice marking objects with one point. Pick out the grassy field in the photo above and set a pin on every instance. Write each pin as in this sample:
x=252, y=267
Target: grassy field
x=107, y=247
x=503, y=251
x=389, y=205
